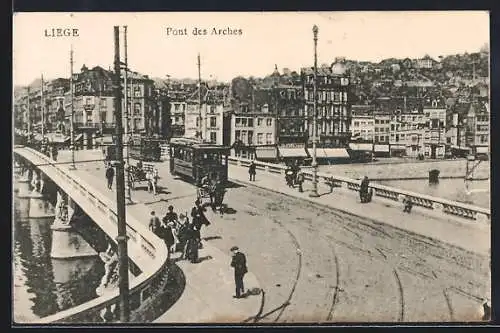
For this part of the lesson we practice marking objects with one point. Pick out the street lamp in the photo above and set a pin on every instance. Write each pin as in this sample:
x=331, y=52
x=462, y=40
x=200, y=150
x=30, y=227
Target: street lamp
x=314, y=192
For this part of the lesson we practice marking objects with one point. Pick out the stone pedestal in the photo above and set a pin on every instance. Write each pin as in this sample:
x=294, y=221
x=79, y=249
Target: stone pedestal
x=23, y=187
x=67, y=243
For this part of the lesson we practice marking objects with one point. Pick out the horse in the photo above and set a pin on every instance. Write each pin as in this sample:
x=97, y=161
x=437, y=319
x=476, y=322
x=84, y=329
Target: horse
x=152, y=178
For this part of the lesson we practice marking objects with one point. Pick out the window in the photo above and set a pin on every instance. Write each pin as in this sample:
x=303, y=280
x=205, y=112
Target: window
x=260, y=138
x=356, y=124
x=259, y=121
x=250, y=137
x=238, y=121
x=269, y=121
x=397, y=137
x=244, y=122
x=237, y=135
x=88, y=101
x=376, y=129
x=250, y=122
x=213, y=137
x=269, y=138
x=376, y=121
x=213, y=122
x=137, y=108
x=137, y=91
x=137, y=123
x=177, y=106
x=376, y=137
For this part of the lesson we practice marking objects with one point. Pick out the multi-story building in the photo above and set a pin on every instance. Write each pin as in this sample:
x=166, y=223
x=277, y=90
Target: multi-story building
x=141, y=102
x=333, y=114
x=362, y=123
x=381, y=135
x=435, y=131
x=179, y=93
x=253, y=126
x=478, y=127
x=407, y=130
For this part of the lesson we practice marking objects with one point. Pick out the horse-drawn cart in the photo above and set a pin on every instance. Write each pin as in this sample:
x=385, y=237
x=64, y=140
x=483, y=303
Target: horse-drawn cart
x=212, y=195
x=143, y=173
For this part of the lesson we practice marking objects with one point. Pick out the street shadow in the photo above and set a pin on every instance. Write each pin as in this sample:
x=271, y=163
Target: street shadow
x=231, y=184
x=252, y=292
x=202, y=259
x=162, y=190
x=211, y=238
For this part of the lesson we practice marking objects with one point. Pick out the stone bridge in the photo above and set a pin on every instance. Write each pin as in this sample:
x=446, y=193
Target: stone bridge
x=36, y=172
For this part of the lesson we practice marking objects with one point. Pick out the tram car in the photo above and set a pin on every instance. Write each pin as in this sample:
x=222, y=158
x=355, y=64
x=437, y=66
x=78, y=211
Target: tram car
x=145, y=148
x=194, y=159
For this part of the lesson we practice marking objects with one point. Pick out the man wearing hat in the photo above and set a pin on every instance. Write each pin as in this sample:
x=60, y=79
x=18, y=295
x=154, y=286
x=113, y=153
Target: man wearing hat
x=239, y=263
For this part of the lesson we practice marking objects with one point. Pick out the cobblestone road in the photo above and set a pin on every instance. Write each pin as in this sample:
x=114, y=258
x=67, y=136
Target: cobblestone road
x=316, y=264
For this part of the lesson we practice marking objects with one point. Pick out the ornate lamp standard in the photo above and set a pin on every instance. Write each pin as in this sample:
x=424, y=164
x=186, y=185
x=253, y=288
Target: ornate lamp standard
x=314, y=192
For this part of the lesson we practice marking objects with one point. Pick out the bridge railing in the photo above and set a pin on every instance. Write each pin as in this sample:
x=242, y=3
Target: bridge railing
x=447, y=207
x=146, y=250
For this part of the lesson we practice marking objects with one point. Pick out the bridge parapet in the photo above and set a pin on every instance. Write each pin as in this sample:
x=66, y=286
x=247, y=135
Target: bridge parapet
x=444, y=206
x=146, y=250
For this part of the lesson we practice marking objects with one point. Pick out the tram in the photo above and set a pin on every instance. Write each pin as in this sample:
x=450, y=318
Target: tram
x=145, y=148
x=194, y=160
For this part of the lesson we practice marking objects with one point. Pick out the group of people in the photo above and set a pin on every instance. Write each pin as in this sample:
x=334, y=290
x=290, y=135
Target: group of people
x=293, y=176
x=179, y=232
x=216, y=191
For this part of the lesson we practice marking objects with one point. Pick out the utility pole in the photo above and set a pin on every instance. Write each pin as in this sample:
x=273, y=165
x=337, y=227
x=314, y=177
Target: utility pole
x=120, y=189
x=314, y=192
x=199, y=97
x=127, y=116
x=72, y=129
x=126, y=95
x=43, y=110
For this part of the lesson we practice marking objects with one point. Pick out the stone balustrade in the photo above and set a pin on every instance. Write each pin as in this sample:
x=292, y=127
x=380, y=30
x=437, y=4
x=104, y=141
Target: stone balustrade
x=145, y=249
x=445, y=206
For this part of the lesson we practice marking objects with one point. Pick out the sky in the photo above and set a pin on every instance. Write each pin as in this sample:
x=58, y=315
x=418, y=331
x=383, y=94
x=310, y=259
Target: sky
x=267, y=39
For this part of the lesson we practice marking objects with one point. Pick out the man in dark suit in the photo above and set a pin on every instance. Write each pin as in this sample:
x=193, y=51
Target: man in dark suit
x=239, y=263
x=110, y=173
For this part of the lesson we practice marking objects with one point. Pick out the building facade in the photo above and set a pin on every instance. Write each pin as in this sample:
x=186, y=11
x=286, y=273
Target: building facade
x=435, y=132
x=333, y=114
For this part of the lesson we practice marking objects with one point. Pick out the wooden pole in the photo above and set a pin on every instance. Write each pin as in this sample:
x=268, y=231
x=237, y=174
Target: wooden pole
x=120, y=190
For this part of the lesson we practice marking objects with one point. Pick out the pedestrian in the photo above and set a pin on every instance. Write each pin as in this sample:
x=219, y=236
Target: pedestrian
x=171, y=216
x=363, y=189
x=408, y=205
x=154, y=223
x=300, y=181
x=193, y=241
x=168, y=236
x=252, y=170
x=239, y=263
x=110, y=173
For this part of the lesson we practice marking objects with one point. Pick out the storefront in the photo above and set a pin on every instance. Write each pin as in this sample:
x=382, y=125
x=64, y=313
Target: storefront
x=293, y=154
x=361, y=152
x=266, y=153
x=398, y=150
x=381, y=150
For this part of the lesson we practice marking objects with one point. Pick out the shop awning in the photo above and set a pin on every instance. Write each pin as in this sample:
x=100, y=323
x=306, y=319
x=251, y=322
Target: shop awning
x=398, y=147
x=266, y=152
x=335, y=153
x=381, y=148
x=482, y=149
x=361, y=146
x=292, y=152
x=78, y=137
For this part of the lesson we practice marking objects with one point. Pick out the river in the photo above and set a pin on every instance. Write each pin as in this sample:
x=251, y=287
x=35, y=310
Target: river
x=42, y=285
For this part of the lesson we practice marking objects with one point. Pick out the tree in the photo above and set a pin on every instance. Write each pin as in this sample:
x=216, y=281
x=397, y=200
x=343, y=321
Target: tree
x=241, y=88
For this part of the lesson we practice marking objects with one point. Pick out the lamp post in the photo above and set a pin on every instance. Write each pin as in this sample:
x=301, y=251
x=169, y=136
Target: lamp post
x=314, y=192
x=120, y=189
x=72, y=132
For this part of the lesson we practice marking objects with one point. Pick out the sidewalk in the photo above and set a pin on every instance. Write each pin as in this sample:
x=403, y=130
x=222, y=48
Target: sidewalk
x=472, y=236
x=207, y=297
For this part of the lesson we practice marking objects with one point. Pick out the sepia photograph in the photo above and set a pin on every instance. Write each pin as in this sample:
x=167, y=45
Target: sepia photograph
x=251, y=168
